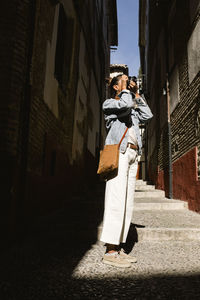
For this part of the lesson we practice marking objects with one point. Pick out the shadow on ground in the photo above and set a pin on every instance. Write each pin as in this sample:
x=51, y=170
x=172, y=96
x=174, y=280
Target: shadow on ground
x=54, y=243
x=40, y=267
x=132, y=237
x=43, y=278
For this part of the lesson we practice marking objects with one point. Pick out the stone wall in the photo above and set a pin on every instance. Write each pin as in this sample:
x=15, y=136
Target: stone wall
x=55, y=58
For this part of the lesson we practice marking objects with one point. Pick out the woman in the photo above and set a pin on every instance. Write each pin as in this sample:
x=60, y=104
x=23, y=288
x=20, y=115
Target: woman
x=126, y=108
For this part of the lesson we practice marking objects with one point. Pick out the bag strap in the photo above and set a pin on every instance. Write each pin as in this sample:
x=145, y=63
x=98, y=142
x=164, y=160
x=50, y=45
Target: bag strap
x=123, y=136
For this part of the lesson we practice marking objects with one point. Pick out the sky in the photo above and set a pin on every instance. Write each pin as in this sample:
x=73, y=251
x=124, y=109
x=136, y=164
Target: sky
x=127, y=51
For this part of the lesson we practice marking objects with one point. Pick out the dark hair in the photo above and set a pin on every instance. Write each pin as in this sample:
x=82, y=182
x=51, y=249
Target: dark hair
x=113, y=82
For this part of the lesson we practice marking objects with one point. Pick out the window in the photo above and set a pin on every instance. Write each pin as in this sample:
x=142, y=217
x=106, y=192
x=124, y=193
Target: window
x=64, y=48
x=194, y=53
x=174, y=89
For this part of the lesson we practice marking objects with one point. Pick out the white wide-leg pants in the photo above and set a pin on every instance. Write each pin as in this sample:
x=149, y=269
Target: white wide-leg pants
x=119, y=200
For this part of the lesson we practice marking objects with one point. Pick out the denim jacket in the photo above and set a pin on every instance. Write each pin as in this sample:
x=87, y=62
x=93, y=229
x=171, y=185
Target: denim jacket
x=123, y=113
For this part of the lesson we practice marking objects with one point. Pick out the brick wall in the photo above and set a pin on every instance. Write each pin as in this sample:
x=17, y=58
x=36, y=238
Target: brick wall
x=181, y=21
x=41, y=165
x=183, y=119
x=186, y=185
x=16, y=33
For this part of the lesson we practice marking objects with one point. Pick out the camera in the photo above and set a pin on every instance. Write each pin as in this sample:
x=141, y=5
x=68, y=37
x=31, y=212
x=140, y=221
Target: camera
x=131, y=78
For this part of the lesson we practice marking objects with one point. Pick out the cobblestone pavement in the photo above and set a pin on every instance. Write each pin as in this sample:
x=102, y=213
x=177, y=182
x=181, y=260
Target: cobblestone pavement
x=46, y=266
x=61, y=259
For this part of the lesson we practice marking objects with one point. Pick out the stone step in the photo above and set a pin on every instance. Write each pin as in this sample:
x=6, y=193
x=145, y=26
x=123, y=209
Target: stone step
x=168, y=234
x=181, y=225
x=92, y=206
x=147, y=225
x=138, y=233
x=144, y=187
x=150, y=194
x=159, y=204
x=167, y=219
x=163, y=234
x=141, y=182
x=177, y=218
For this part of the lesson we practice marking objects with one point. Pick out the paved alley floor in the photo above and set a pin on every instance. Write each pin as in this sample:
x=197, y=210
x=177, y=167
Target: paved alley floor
x=169, y=270
x=47, y=267
x=60, y=257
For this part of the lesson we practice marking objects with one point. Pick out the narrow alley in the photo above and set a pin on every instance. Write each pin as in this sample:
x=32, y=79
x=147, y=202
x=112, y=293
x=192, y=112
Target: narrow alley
x=66, y=90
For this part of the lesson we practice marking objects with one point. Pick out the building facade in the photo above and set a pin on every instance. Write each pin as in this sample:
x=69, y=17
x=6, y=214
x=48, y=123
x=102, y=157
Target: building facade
x=55, y=56
x=169, y=40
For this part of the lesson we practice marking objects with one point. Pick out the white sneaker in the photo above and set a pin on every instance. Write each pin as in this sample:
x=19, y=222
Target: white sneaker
x=115, y=260
x=129, y=258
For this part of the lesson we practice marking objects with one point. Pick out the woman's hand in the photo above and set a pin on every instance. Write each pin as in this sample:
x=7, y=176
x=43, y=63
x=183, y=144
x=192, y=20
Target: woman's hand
x=124, y=79
x=133, y=87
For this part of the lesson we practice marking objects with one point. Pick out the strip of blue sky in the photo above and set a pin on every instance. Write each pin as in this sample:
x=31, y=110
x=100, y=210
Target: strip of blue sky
x=127, y=51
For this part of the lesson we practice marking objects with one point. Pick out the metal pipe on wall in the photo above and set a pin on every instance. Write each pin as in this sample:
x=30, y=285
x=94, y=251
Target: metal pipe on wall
x=169, y=138
x=170, y=171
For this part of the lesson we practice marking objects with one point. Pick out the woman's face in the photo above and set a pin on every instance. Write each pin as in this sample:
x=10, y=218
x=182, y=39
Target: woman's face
x=119, y=86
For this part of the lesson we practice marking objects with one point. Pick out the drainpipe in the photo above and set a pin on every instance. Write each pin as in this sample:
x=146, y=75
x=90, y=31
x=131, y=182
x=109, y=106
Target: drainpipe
x=169, y=138
x=168, y=112
x=100, y=125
